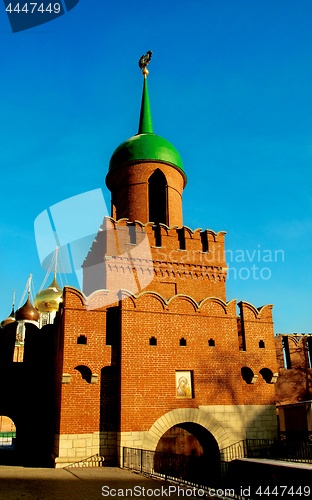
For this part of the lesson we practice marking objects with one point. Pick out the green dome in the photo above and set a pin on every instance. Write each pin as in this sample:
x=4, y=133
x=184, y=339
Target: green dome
x=145, y=147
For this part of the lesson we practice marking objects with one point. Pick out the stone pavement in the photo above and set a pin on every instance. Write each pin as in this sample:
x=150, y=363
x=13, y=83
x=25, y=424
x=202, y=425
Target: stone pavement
x=89, y=483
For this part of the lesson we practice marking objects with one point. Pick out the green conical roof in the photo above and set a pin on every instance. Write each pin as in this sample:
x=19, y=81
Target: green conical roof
x=146, y=145
x=146, y=124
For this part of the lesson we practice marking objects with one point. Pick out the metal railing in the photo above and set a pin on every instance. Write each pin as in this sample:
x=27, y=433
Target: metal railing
x=289, y=450
x=235, y=450
x=198, y=472
x=185, y=469
x=296, y=436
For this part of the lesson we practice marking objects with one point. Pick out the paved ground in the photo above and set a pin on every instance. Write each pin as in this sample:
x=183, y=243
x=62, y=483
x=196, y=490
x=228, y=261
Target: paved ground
x=88, y=483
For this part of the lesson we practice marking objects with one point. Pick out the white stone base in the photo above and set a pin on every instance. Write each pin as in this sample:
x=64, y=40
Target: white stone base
x=227, y=423
x=75, y=449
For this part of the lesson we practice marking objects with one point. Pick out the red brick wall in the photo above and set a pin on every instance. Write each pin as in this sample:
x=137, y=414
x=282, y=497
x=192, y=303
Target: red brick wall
x=80, y=400
x=147, y=373
x=258, y=327
x=167, y=269
x=129, y=187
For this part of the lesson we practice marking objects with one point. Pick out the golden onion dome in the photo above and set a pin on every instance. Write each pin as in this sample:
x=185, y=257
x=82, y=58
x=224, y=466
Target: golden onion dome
x=49, y=299
x=9, y=319
x=27, y=312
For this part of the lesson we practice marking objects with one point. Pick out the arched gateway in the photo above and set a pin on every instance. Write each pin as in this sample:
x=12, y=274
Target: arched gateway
x=7, y=441
x=192, y=434
x=182, y=416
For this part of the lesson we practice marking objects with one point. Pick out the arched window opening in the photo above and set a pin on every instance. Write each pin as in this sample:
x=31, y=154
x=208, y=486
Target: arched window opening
x=248, y=375
x=286, y=352
x=183, y=342
x=85, y=373
x=211, y=342
x=204, y=241
x=157, y=235
x=267, y=375
x=82, y=339
x=158, y=198
x=132, y=234
x=181, y=238
x=241, y=335
x=153, y=341
x=261, y=344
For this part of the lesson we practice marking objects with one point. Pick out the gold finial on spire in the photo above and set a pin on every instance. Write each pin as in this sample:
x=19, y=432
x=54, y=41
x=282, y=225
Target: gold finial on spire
x=144, y=61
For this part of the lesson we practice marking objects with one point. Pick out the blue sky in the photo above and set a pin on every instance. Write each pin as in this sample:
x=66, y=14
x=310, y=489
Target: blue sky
x=230, y=87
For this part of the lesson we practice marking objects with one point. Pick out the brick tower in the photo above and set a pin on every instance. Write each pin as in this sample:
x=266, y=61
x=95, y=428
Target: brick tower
x=151, y=355
x=146, y=179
